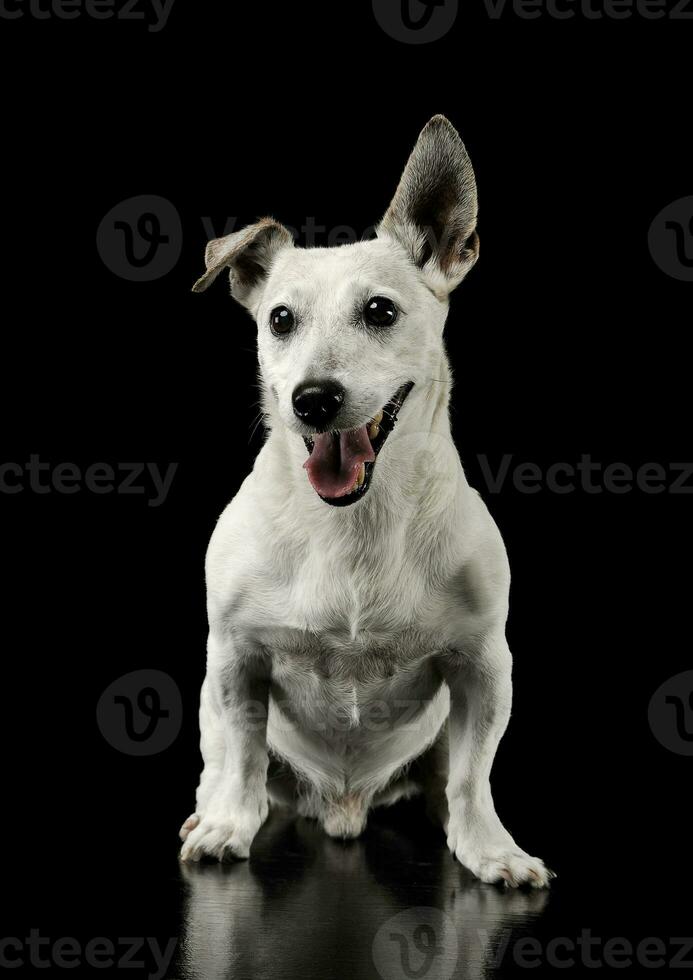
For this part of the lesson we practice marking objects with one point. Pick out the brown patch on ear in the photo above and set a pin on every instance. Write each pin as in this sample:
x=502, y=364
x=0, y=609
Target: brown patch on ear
x=470, y=249
x=247, y=253
x=247, y=270
x=457, y=259
x=433, y=213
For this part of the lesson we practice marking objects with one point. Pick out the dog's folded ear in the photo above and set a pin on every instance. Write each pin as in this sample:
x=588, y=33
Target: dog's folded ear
x=433, y=213
x=247, y=254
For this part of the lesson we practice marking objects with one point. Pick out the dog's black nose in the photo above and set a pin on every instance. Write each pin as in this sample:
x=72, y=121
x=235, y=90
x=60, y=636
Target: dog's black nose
x=317, y=402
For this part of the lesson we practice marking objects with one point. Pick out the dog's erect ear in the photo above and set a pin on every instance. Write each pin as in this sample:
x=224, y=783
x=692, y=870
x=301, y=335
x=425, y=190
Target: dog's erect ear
x=247, y=254
x=434, y=210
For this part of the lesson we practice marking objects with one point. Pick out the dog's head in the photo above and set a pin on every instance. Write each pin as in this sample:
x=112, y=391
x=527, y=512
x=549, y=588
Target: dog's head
x=346, y=333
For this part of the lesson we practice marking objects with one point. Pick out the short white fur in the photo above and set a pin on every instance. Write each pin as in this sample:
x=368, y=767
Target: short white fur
x=358, y=654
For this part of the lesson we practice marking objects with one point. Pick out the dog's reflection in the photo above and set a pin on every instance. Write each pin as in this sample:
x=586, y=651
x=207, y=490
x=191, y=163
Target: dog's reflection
x=393, y=905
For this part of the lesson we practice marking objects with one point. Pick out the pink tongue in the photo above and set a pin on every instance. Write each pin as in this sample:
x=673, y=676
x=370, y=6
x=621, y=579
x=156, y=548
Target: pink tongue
x=334, y=464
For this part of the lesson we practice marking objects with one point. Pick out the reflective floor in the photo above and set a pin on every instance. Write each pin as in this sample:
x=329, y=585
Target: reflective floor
x=393, y=904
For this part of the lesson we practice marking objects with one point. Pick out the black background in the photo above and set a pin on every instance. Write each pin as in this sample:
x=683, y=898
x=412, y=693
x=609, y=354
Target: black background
x=565, y=339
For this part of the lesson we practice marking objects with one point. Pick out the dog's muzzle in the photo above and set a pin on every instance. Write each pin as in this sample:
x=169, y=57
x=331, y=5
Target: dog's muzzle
x=340, y=465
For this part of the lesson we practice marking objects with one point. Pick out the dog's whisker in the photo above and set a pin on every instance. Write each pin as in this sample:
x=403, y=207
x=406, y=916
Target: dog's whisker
x=392, y=416
x=257, y=422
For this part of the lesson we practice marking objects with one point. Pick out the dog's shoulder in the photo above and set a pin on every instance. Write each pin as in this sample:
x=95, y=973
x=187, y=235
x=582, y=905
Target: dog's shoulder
x=473, y=572
x=252, y=557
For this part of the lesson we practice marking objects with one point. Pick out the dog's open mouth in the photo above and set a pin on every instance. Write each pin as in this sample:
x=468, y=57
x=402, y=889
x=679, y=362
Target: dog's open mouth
x=340, y=465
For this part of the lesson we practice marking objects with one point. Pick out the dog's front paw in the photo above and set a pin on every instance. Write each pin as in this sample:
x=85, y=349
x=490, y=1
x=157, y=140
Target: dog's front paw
x=221, y=840
x=189, y=826
x=225, y=838
x=499, y=865
x=496, y=859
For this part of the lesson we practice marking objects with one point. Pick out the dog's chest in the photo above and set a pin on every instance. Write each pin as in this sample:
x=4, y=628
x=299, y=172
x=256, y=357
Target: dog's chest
x=354, y=602
x=336, y=654
x=333, y=682
x=348, y=624
x=352, y=639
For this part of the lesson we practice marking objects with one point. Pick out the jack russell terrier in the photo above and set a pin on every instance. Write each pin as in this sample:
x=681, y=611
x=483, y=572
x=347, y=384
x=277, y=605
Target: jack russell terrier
x=357, y=585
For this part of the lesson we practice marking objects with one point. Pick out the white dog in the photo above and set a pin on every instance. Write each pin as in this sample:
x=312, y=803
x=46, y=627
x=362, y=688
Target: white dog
x=357, y=586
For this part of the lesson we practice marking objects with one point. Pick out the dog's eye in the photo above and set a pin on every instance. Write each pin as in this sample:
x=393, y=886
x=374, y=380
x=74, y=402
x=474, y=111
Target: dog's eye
x=380, y=312
x=281, y=321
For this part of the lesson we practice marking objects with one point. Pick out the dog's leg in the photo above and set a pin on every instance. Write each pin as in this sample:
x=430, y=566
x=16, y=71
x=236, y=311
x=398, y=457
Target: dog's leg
x=232, y=795
x=480, y=699
x=213, y=750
